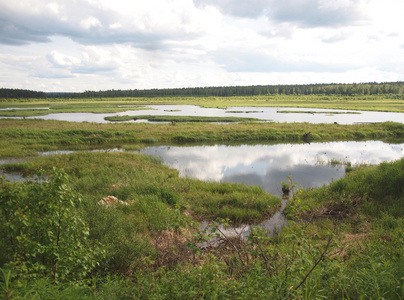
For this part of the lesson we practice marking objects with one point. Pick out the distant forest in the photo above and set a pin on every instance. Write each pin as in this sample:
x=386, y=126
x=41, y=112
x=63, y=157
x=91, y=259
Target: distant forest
x=395, y=89
x=17, y=93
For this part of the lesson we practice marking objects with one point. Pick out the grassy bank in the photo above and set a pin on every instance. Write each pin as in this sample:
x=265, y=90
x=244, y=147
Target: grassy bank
x=27, y=137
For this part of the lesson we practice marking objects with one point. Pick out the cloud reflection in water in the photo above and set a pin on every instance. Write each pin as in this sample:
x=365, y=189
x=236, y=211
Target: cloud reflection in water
x=268, y=165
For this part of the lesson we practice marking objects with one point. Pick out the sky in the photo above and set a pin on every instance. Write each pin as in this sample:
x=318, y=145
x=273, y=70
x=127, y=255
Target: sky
x=78, y=45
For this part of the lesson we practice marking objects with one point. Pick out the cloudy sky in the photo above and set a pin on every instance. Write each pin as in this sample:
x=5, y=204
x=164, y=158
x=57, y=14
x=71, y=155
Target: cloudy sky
x=77, y=45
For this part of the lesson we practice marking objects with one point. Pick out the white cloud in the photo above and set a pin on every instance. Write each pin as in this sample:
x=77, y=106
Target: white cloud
x=101, y=44
x=90, y=22
x=336, y=37
x=61, y=60
x=305, y=13
x=116, y=25
x=53, y=7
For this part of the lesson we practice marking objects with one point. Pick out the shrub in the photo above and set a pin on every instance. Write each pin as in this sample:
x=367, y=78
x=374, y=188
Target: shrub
x=42, y=232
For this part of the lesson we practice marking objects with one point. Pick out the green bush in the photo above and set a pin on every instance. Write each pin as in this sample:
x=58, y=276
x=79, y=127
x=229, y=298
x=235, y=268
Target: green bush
x=42, y=232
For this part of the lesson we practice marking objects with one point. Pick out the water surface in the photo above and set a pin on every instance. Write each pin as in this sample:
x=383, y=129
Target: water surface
x=268, y=165
x=261, y=113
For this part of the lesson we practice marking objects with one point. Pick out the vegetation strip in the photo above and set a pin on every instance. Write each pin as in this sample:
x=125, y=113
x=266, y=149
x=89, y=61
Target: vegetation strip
x=180, y=119
x=27, y=137
x=317, y=112
x=377, y=102
x=87, y=107
x=242, y=111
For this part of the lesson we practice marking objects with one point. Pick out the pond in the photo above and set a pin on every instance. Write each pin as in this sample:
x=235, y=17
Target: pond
x=273, y=114
x=309, y=165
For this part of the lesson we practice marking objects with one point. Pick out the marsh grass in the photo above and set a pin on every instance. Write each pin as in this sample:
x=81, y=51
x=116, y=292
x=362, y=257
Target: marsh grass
x=130, y=176
x=369, y=103
x=238, y=202
x=30, y=110
x=367, y=207
x=29, y=136
x=242, y=111
x=333, y=162
x=152, y=118
x=317, y=112
x=372, y=190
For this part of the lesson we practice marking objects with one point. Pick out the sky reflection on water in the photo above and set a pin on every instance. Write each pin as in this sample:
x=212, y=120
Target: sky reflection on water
x=262, y=113
x=268, y=165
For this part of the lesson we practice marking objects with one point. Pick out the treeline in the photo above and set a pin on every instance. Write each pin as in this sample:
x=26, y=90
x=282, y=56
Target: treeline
x=355, y=89
x=394, y=88
x=18, y=93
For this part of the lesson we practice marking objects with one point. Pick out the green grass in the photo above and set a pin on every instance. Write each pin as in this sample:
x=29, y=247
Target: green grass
x=26, y=137
x=26, y=110
x=179, y=119
x=242, y=111
x=130, y=176
x=372, y=190
x=316, y=112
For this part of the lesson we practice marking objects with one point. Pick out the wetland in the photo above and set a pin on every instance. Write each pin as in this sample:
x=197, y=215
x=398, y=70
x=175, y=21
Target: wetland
x=183, y=186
